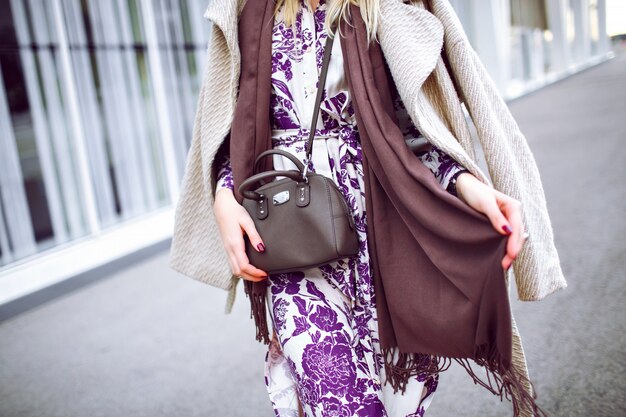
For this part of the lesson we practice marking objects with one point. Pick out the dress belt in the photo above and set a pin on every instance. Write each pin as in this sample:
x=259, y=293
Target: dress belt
x=289, y=136
x=303, y=133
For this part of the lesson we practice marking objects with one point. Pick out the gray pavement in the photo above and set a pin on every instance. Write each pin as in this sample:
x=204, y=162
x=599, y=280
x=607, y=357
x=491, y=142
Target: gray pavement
x=146, y=341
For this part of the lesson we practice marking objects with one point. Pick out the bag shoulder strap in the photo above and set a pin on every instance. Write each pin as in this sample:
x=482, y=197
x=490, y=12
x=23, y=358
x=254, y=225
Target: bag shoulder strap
x=318, y=99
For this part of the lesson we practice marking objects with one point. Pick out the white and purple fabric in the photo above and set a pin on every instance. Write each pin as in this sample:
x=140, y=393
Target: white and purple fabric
x=326, y=352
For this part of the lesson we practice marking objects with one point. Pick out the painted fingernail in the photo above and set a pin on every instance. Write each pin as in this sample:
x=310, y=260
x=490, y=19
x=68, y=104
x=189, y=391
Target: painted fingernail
x=261, y=247
x=507, y=229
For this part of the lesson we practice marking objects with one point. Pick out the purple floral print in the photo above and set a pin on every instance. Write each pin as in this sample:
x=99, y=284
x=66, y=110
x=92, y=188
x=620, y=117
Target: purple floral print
x=224, y=173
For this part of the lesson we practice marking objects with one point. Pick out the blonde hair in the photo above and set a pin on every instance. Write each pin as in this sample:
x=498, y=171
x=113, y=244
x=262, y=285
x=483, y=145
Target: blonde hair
x=337, y=9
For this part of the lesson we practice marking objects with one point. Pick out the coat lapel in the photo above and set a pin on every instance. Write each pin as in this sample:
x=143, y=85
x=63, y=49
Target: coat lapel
x=224, y=14
x=411, y=25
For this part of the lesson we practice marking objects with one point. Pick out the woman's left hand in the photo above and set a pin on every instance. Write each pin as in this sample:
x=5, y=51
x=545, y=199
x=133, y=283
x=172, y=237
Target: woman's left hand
x=504, y=212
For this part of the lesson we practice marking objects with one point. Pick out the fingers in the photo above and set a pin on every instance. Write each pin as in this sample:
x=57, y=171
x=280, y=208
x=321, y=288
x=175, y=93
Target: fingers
x=236, y=270
x=243, y=265
x=233, y=220
x=504, y=216
x=507, y=261
x=239, y=261
x=511, y=210
x=498, y=220
x=250, y=272
x=501, y=224
x=249, y=277
x=248, y=226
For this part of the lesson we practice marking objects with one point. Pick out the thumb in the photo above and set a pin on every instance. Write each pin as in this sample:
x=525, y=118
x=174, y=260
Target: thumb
x=255, y=239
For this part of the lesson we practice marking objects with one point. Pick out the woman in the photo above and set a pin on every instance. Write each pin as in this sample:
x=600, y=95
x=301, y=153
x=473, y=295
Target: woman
x=324, y=355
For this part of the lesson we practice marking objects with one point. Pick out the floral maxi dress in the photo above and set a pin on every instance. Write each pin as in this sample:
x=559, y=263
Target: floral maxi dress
x=325, y=350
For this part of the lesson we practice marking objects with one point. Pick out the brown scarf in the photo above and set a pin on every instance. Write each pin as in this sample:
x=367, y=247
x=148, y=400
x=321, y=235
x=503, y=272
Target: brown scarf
x=439, y=285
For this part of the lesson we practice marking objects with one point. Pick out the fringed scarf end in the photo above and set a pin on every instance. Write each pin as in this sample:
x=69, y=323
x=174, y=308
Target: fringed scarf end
x=256, y=293
x=503, y=379
x=400, y=366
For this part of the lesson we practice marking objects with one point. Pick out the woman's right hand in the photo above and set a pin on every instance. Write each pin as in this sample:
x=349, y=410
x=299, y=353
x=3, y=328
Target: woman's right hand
x=233, y=220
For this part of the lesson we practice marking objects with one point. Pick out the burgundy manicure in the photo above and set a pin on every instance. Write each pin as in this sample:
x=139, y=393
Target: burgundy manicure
x=261, y=247
x=507, y=229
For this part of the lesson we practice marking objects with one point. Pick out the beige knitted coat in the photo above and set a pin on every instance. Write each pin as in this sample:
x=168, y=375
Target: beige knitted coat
x=411, y=39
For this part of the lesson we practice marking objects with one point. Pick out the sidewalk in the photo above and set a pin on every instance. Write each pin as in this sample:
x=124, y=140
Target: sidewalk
x=149, y=342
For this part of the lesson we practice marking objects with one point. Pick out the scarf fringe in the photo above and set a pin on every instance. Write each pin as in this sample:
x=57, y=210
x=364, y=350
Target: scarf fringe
x=502, y=379
x=410, y=364
x=258, y=312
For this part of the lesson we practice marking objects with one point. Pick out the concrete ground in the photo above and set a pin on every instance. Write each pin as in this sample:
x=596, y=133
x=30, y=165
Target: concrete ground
x=148, y=342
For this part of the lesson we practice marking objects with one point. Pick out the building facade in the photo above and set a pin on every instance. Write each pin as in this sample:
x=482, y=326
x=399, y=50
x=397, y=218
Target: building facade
x=97, y=99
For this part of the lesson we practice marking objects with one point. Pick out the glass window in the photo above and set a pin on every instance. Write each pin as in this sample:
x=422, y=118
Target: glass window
x=97, y=99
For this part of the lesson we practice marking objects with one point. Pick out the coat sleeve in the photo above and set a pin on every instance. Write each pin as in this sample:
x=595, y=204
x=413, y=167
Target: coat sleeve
x=513, y=170
x=197, y=250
